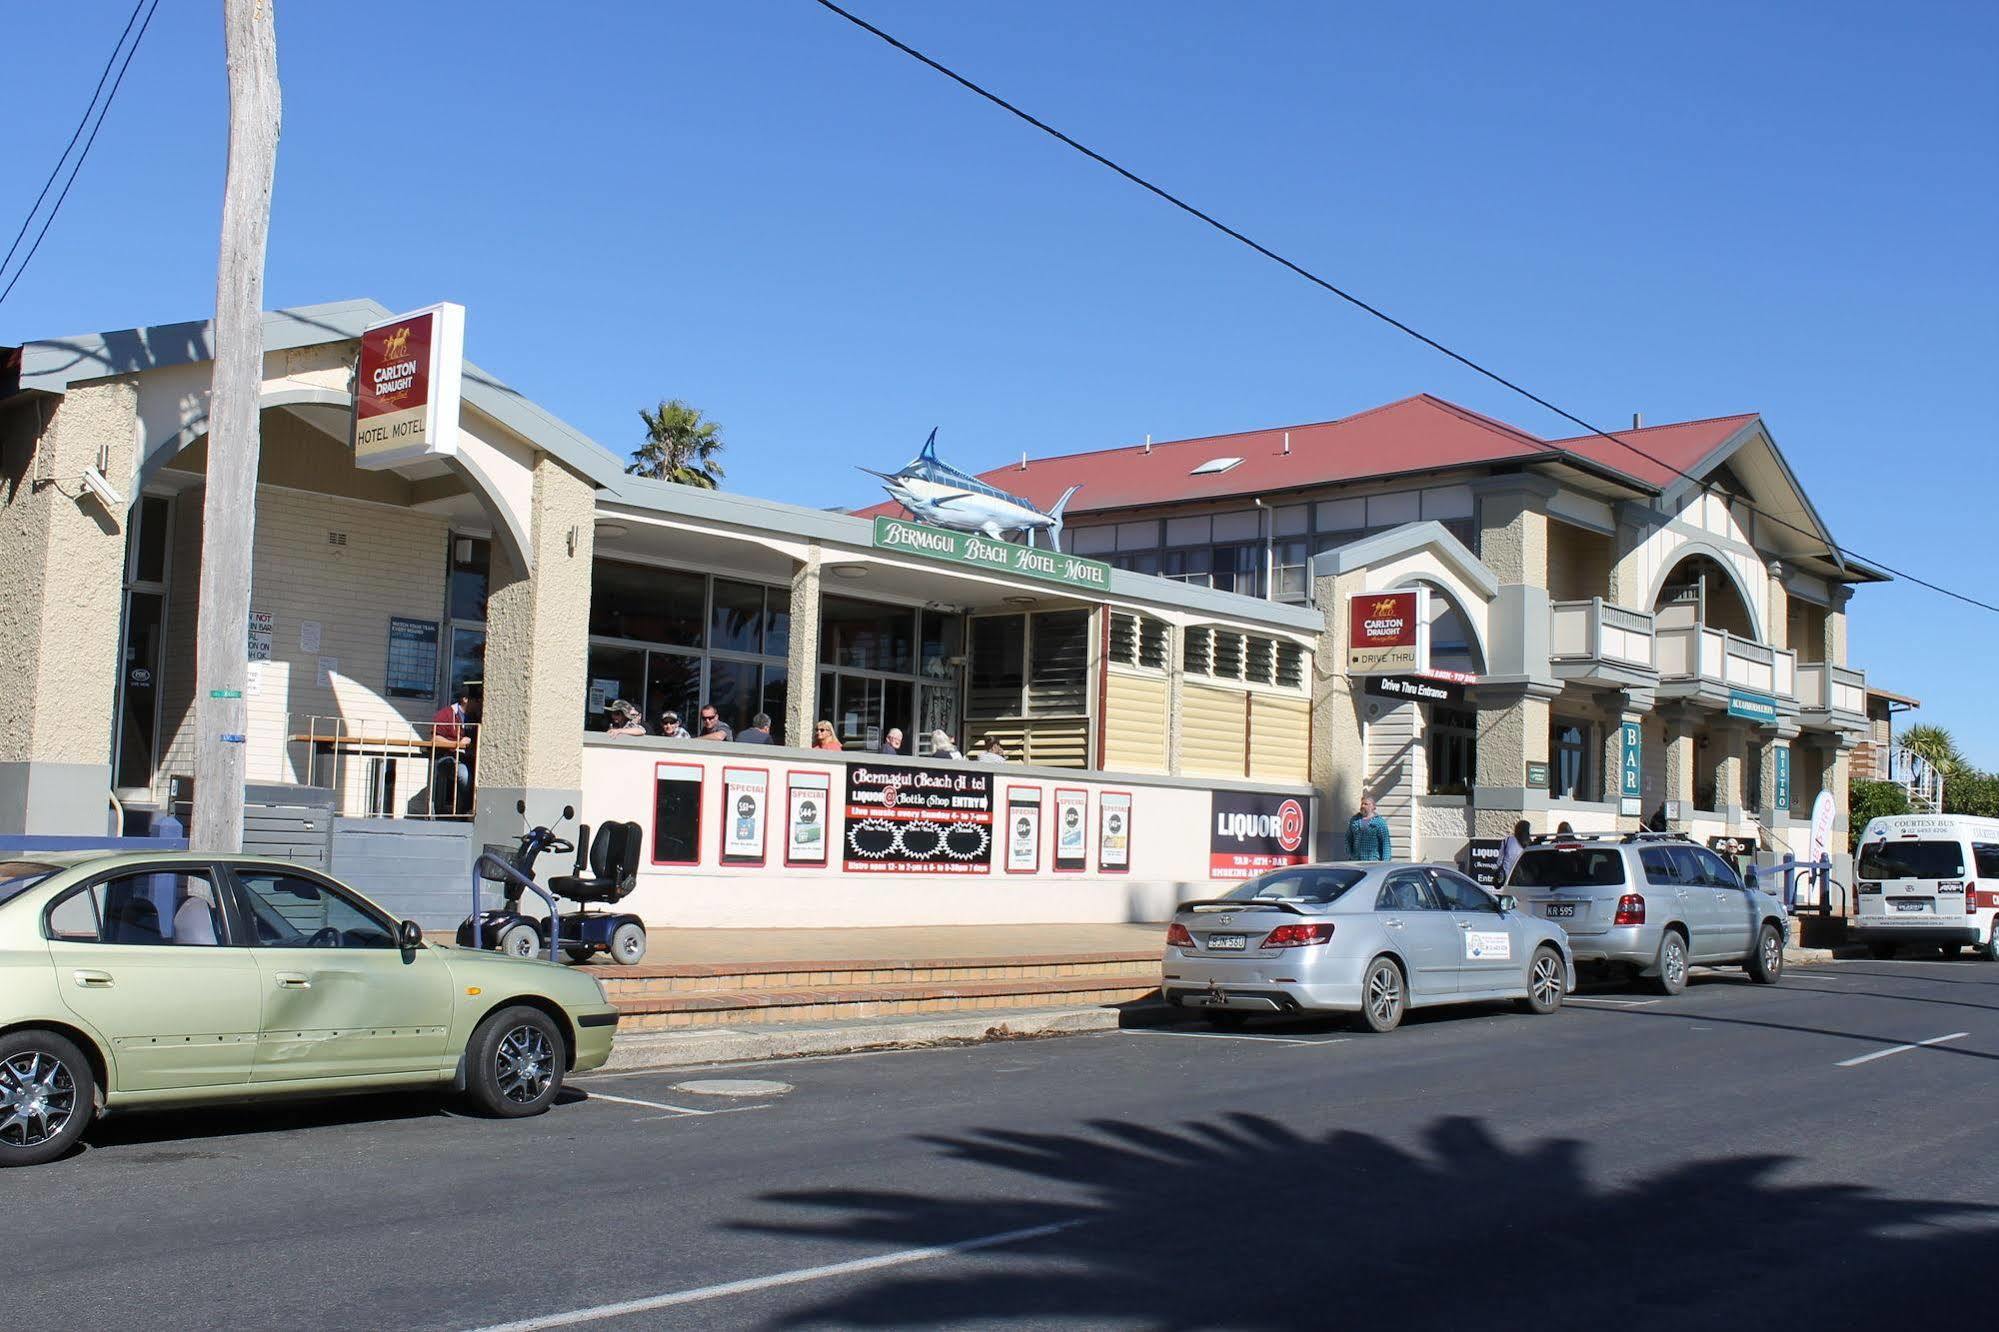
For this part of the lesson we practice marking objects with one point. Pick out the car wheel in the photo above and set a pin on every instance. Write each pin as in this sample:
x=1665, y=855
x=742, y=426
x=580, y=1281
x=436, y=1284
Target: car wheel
x=579, y=955
x=519, y=941
x=514, y=1062
x=1546, y=980
x=1881, y=952
x=47, y=1096
x=1991, y=950
x=1672, y=964
x=1765, y=965
x=628, y=944
x=1224, y=1019
x=1383, y=996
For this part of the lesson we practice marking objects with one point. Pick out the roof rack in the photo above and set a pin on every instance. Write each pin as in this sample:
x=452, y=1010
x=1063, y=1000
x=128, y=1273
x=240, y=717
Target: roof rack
x=1623, y=839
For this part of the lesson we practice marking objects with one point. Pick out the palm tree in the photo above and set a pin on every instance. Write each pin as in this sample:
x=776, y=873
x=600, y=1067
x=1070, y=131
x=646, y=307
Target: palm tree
x=680, y=446
x=1933, y=745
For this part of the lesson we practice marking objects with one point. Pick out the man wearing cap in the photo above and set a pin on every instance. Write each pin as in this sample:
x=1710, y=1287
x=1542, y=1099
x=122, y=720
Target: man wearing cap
x=624, y=719
x=670, y=727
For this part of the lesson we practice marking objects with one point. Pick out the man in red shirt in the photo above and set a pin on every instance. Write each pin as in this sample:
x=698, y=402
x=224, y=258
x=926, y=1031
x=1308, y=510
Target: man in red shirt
x=451, y=789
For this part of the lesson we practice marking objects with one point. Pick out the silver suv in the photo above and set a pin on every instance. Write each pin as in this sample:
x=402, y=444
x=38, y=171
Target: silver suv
x=1653, y=902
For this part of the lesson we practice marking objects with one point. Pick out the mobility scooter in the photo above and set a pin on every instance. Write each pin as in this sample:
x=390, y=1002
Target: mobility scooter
x=605, y=874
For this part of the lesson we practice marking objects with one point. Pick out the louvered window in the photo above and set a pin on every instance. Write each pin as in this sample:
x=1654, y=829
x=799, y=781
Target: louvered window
x=1152, y=643
x=1058, y=663
x=1138, y=640
x=1199, y=651
x=999, y=652
x=1290, y=665
x=1228, y=655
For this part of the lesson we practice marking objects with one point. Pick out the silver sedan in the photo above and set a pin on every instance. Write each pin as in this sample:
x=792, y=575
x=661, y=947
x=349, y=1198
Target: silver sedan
x=1371, y=939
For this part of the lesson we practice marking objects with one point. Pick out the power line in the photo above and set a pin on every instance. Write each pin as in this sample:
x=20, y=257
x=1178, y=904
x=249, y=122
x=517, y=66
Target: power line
x=1840, y=553
x=102, y=111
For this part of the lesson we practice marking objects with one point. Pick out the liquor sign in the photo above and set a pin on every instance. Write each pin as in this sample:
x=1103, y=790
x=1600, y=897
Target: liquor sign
x=1249, y=833
x=406, y=387
x=984, y=552
x=1388, y=633
x=1482, y=860
x=918, y=820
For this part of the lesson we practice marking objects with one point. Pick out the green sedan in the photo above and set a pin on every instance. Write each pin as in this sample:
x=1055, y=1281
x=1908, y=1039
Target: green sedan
x=148, y=980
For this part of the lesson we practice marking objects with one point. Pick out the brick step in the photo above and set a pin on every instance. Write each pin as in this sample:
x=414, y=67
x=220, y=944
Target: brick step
x=664, y=1009
x=694, y=977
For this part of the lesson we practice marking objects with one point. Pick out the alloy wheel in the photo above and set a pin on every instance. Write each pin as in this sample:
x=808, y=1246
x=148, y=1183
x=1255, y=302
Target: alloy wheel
x=37, y=1098
x=1676, y=961
x=1773, y=953
x=524, y=1064
x=1384, y=994
x=1547, y=982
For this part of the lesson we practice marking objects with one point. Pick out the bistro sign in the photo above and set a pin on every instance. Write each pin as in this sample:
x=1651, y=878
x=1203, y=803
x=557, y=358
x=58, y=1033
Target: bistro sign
x=1388, y=633
x=406, y=387
x=983, y=552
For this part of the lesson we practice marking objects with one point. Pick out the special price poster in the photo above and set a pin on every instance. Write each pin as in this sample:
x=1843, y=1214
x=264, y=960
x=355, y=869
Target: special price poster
x=1023, y=829
x=744, y=802
x=810, y=803
x=919, y=820
x=1114, y=831
x=1072, y=829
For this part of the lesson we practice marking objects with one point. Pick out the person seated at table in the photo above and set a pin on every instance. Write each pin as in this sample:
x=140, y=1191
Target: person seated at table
x=823, y=737
x=757, y=732
x=451, y=727
x=941, y=745
x=992, y=751
x=712, y=725
x=670, y=727
x=892, y=742
x=624, y=719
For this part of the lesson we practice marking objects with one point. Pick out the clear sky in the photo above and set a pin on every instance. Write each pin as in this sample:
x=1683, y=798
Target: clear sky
x=1682, y=210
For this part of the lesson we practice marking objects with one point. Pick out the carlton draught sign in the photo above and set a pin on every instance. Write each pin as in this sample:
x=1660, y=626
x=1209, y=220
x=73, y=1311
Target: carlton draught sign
x=1249, y=833
x=406, y=387
x=1388, y=632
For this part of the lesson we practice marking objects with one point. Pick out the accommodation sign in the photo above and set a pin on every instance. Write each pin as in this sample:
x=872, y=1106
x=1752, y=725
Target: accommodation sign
x=1752, y=706
x=1388, y=633
x=983, y=552
x=406, y=386
x=918, y=820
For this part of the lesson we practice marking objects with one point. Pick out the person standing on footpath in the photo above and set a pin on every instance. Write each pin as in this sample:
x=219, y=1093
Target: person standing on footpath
x=1367, y=834
x=1510, y=849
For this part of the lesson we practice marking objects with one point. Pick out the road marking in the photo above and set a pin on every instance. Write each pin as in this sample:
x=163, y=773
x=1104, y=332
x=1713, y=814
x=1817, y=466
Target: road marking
x=685, y=1114
x=1221, y=1036
x=1618, y=1003
x=792, y=1278
x=649, y=1105
x=1902, y=1049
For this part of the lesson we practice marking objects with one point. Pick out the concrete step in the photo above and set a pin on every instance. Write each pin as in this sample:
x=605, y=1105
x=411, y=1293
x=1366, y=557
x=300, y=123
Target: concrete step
x=662, y=1010
x=651, y=979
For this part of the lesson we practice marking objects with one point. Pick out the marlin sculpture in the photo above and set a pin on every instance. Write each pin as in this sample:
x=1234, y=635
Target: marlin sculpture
x=936, y=492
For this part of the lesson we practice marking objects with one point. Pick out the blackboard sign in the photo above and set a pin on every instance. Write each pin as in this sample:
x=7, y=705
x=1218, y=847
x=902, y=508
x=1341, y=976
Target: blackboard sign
x=1482, y=860
x=1732, y=848
x=412, y=658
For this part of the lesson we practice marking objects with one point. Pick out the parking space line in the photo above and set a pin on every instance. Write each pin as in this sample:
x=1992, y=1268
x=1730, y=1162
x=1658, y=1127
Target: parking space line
x=726, y=1110
x=649, y=1105
x=792, y=1278
x=1901, y=1049
x=1612, y=1000
x=1221, y=1036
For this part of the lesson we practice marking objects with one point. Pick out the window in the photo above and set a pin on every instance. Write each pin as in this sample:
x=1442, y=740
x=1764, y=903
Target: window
x=1291, y=665
x=999, y=664
x=1138, y=640
x=1984, y=854
x=1035, y=665
x=1568, y=867
x=166, y=906
x=1187, y=566
x=1406, y=890
x=1197, y=651
x=470, y=577
x=1460, y=894
x=649, y=605
x=1661, y=867
x=1215, y=466
x=1714, y=871
x=292, y=911
x=1237, y=568
x=1290, y=576
x=1451, y=742
x=1138, y=561
x=1310, y=884
x=1911, y=860
x=1569, y=772
x=867, y=636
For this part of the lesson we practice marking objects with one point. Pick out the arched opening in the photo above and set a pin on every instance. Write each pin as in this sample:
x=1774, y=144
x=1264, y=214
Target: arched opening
x=1450, y=729
x=1700, y=590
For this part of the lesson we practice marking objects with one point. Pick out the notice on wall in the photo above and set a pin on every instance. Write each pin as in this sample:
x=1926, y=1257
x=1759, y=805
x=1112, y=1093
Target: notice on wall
x=1023, y=829
x=412, y=658
x=328, y=668
x=745, y=797
x=1072, y=829
x=309, y=635
x=1114, y=832
x=918, y=820
x=1482, y=860
x=809, y=807
x=262, y=626
x=1250, y=832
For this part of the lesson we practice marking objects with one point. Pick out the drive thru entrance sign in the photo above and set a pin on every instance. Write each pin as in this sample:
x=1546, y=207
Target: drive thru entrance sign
x=406, y=387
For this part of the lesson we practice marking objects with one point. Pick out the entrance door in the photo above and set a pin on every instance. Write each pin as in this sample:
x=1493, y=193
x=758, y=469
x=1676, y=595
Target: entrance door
x=339, y=999
x=136, y=760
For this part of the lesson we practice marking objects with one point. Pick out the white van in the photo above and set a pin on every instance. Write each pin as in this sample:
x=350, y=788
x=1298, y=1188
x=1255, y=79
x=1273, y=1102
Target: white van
x=1928, y=879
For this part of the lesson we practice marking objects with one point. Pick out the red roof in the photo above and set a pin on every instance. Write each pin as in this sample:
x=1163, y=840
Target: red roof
x=1416, y=434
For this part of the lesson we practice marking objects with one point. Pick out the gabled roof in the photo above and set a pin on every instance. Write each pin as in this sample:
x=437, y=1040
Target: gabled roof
x=1690, y=446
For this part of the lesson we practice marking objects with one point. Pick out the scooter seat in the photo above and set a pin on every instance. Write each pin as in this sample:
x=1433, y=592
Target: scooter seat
x=613, y=862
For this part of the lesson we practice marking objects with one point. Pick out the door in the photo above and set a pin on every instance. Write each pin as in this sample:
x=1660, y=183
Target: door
x=1734, y=913
x=1665, y=883
x=1696, y=896
x=339, y=998
x=1422, y=931
x=144, y=958
x=1489, y=944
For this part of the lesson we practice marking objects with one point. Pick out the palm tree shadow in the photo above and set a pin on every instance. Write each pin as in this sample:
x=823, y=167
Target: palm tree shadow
x=1245, y=1223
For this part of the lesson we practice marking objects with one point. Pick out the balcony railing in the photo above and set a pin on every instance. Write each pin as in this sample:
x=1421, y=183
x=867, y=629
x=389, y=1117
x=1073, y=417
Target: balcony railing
x=1703, y=655
x=1832, y=693
x=380, y=768
x=1591, y=638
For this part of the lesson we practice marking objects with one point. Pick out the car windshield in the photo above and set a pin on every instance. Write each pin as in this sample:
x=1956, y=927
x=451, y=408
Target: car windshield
x=1305, y=884
x=1911, y=860
x=18, y=876
x=1569, y=867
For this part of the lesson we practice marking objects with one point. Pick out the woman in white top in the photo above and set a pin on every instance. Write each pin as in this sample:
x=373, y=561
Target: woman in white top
x=992, y=751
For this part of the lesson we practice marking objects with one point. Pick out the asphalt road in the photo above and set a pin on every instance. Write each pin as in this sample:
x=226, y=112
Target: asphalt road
x=1732, y=1154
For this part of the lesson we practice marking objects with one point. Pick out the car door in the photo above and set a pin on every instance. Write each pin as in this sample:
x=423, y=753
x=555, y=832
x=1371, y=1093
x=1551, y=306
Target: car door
x=1733, y=913
x=1696, y=897
x=1489, y=955
x=340, y=1000
x=1425, y=934
x=145, y=958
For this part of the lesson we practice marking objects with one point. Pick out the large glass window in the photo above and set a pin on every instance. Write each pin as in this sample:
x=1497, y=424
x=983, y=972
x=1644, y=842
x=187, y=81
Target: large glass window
x=150, y=907
x=471, y=577
x=867, y=636
x=1569, y=765
x=1451, y=744
x=1035, y=665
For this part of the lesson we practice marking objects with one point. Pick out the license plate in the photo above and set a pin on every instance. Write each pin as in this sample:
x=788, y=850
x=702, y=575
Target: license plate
x=1561, y=910
x=1911, y=904
x=1227, y=943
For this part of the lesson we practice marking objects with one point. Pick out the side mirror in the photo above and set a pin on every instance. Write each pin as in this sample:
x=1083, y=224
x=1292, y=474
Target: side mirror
x=409, y=938
x=1508, y=904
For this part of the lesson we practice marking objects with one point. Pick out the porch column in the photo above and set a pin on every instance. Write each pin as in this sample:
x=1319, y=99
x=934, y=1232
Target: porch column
x=537, y=649
x=801, y=689
x=1513, y=701
x=1681, y=723
x=1625, y=708
x=62, y=563
x=1339, y=747
x=1512, y=733
x=1777, y=608
x=1835, y=627
x=1732, y=738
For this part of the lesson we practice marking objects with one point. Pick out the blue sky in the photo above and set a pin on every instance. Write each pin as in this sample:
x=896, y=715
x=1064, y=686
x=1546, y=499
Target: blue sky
x=1683, y=210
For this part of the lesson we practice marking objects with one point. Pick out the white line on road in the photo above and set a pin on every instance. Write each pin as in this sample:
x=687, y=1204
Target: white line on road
x=1902, y=1049
x=803, y=1274
x=650, y=1105
x=725, y=1110
x=1221, y=1036
x=1619, y=1003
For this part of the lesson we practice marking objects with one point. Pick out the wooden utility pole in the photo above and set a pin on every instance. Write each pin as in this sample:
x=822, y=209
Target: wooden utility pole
x=229, y=510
